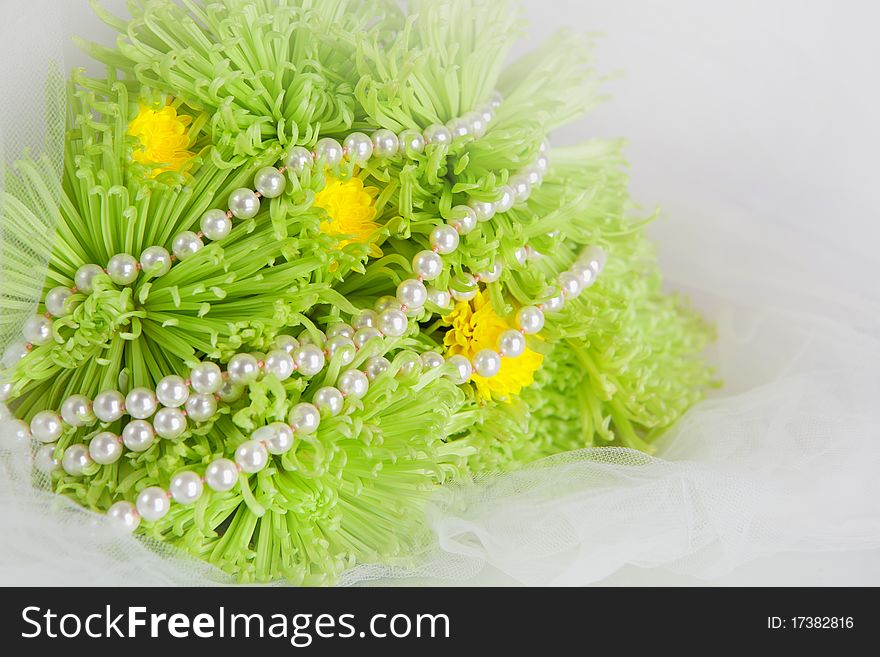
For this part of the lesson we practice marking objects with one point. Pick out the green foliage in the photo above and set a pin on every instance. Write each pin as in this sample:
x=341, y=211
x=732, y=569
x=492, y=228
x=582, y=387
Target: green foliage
x=621, y=363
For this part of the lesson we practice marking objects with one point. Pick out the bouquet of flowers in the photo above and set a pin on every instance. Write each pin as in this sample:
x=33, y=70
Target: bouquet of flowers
x=315, y=262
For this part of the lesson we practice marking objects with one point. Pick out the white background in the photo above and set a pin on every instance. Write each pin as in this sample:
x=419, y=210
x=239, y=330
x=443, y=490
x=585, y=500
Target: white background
x=759, y=109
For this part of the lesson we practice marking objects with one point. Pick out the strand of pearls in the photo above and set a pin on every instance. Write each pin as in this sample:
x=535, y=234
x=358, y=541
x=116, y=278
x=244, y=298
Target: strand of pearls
x=412, y=293
x=277, y=438
x=244, y=203
x=165, y=411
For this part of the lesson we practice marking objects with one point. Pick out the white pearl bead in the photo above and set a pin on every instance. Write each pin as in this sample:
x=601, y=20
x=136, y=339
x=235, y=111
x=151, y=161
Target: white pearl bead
x=408, y=363
x=206, y=377
x=170, y=423
x=359, y=147
x=216, y=225
x=570, y=284
x=530, y=319
x=186, y=244
x=123, y=516
x=105, y=448
x=153, y=503
x=76, y=459
x=13, y=354
x=470, y=288
x=329, y=399
x=342, y=347
x=329, y=152
x=460, y=369
x=477, y=125
x=37, y=330
x=506, y=199
x=5, y=391
x=521, y=255
x=16, y=431
x=201, y=407
x=427, y=265
x=521, y=187
x=244, y=203
x=364, y=335
x=555, y=300
x=56, y=301
x=243, y=369
x=109, y=406
x=584, y=273
x=487, y=113
x=286, y=342
x=533, y=175
x=46, y=426
x=432, y=360
x=353, y=384
x=542, y=164
x=277, y=437
x=544, y=148
x=496, y=99
x=186, y=487
x=172, y=391
x=306, y=337
x=393, y=323
x=299, y=160
x=512, y=344
x=304, y=418
x=251, y=456
x=270, y=182
x=221, y=475
x=386, y=303
x=123, y=269
x=595, y=257
x=231, y=392
x=77, y=411
x=155, y=261
x=138, y=436
x=45, y=460
x=140, y=403
x=85, y=277
x=366, y=319
x=463, y=219
x=385, y=144
x=309, y=360
x=412, y=293
x=445, y=239
x=341, y=329
x=459, y=128
x=437, y=134
x=492, y=275
x=376, y=366
x=440, y=298
x=487, y=363
x=484, y=210
x=411, y=141
x=280, y=364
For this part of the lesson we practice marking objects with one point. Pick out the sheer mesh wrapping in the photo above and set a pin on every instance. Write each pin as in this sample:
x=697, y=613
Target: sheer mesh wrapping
x=782, y=459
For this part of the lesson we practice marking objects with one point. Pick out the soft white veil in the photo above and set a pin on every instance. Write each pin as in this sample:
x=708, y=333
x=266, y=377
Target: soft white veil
x=782, y=460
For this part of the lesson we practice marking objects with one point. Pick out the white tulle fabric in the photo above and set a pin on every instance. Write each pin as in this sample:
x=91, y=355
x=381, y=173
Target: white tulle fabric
x=782, y=459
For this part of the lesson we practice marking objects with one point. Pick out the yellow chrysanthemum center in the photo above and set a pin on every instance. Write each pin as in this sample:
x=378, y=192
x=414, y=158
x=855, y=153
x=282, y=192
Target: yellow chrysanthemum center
x=163, y=137
x=350, y=208
x=474, y=325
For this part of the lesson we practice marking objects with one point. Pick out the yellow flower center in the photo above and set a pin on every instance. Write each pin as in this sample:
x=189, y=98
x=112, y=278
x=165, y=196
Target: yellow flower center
x=350, y=208
x=474, y=325
x=163, y=138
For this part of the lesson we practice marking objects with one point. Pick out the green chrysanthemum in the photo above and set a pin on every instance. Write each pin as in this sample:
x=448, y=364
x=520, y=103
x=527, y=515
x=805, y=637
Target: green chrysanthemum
x=248, y=81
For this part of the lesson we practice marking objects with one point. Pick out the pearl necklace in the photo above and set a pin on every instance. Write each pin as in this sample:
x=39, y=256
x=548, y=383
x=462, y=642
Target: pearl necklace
x=244, y=203
x=212, y=386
